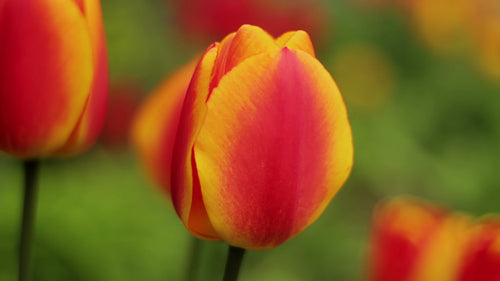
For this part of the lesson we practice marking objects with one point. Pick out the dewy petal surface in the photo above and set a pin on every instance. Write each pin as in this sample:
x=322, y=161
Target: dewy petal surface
x=45, y=74
x=185, y=190
x=275, y=147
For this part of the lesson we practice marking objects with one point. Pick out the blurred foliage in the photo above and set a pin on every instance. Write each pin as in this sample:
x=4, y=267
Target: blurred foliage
x=424, y=123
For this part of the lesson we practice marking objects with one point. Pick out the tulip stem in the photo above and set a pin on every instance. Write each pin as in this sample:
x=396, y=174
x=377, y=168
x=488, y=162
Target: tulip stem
x=233, y=263
x=29, y=210
x=193, y=259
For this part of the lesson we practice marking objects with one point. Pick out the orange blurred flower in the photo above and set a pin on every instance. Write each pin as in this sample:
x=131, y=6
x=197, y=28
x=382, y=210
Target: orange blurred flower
x=441, y=24
x=485, y=29
x=460, y=27
x=416, y=241
x=260, y=141
x=53, y=76
x=482, y=253
x=155, y=124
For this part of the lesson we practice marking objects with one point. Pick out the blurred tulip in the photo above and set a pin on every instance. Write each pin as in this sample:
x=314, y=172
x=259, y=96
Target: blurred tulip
x=415, y=241
x=463, y=27
x=53, y=76
x=261, y=141
x=488, y=56
x=124, y=99
x=466, y=28
x=482, y=255
x=485, y=29
x=155, y=124
x=216, y=18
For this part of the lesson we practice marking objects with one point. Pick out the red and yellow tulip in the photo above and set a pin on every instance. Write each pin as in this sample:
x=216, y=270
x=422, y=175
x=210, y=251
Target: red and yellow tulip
x=53, y=76
x=482, y=252
x=416, y=241
x=155, y=125
x=259, y=140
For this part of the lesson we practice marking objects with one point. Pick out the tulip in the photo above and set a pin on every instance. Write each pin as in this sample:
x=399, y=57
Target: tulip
x=155, y=124
x=415, y=241
x=53, y=76
x=482, y=253
x=259, y=142
x=485, y=30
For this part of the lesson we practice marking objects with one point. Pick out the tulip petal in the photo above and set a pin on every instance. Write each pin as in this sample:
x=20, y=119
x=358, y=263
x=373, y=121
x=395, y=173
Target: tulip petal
x=92, y=119
x=185, y=190
x=442, y=254
x=154, y=128
x=274, y=149
x=220, y=68
x=248, y=41
x=45, y=74
x=296, y=40
x=482, y=256
x=403, y=230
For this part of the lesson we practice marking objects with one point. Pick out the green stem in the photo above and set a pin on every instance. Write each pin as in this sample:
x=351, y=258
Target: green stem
x=194, y=259
x=233, y=263
x=29, y=210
